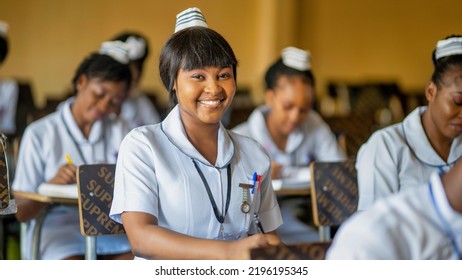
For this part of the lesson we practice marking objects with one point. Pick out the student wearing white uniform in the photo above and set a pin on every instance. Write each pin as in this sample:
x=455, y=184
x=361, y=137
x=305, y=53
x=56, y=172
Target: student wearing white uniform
x=9, y=89
x=286, y=126
x=184, y=182
x=404, y=155
x=137, y=109
x=292, y=133
x=417, y=223
x=83, y=129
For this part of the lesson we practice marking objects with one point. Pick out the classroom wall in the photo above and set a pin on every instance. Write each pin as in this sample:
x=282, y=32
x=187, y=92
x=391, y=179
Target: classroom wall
x=352, y=40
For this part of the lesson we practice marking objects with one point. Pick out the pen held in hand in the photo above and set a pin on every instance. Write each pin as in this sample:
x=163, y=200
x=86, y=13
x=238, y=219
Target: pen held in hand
x=68, y=159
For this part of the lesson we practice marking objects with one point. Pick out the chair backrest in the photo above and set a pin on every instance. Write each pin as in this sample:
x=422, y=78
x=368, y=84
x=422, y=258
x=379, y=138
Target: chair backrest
x=334, y=191
x=302, y=251
x=4, y=190
x=96, y=186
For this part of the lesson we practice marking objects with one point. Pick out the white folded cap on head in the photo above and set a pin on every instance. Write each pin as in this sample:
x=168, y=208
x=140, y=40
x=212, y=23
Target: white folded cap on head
x=3, y=28
x=136, y=47
x=296, y=58
x=448, y=47
x=118, y=50
x=188, y=18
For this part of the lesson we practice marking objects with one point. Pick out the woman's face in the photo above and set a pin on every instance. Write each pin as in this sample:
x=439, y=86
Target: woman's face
x=204, y=94
x=97, y=98
x=445, y=103
x=290, y=103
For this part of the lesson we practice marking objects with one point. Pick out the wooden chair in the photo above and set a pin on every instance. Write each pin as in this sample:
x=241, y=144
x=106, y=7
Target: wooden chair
x=7, y=205
x=302, y=251
x=334, y=194
x=95, y=186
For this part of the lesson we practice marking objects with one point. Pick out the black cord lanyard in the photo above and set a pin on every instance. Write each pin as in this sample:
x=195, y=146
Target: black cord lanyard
x=220, y=217
x=77, y=146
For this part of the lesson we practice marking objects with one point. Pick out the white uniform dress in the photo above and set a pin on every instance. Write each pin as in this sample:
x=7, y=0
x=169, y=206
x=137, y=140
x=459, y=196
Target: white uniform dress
x=415, y=224
x=138, y=111
x=313, y=140
x=156, y=174
x=41, y=153
x=9, y=91
x=399, y=157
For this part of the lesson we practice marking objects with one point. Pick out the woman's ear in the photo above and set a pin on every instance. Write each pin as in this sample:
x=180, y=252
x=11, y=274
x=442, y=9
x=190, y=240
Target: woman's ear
x=81, y=82
x=430, y=91
x=269, y=97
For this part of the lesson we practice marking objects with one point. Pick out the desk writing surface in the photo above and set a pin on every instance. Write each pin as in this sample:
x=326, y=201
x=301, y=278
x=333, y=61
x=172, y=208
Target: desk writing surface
x=44, y=198
x=291, y=187
x=301, y=251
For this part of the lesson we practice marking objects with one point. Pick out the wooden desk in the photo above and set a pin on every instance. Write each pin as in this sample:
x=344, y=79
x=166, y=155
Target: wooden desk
x=41, y=217
x=294, y=192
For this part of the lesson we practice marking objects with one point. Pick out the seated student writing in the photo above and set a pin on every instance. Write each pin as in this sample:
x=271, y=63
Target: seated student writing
x=83, y=129
x=286, y=126
x=417, y=223
x=292, y=133
x=183, y=188
x=404, y=155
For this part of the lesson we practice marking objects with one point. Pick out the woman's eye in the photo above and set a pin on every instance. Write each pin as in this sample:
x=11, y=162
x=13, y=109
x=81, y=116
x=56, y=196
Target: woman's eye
x=197, y=76
x=224, y=76
x=458, y=101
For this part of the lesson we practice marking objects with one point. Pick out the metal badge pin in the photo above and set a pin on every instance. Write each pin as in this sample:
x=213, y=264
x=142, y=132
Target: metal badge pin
x=245, y=206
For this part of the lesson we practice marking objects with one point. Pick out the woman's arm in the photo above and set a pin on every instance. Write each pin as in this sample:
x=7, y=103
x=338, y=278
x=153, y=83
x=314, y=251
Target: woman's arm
x=150, y=241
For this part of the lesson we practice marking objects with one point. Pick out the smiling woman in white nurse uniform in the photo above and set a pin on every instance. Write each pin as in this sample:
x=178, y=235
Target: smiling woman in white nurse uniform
x=183, y=187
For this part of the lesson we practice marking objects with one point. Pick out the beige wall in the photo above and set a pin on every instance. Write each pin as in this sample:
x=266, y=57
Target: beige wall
x=360, y=40
x=349, y=39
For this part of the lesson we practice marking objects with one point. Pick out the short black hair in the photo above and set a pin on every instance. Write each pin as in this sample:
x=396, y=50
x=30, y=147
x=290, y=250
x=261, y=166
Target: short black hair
x=279, y=69
x=193, y=48
x=444, y=64
x=104, y=67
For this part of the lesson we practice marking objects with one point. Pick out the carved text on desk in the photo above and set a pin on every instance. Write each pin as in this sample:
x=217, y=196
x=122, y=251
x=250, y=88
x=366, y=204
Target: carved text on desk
x=96, y=199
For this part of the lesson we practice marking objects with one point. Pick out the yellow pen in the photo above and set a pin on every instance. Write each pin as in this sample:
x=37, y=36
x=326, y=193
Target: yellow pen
x=68, y=159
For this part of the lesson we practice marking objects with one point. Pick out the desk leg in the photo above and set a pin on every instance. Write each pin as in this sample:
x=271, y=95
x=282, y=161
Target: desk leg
x=37, y=232
x=90, y=247
x=324, y=233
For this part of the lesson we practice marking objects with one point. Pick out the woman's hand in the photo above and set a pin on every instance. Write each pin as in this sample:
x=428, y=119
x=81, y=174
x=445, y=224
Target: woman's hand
x=66, y=175
x=240, y=250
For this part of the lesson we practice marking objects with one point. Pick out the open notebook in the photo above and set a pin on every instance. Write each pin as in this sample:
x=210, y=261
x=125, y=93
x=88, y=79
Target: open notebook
x=297, y=180
x=65, y=191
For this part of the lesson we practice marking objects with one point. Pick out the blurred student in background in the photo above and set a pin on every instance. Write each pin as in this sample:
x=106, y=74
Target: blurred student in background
x=137, y=109
x=405, y=155
x=9, y=89
x=291, y=132
x=81, y=129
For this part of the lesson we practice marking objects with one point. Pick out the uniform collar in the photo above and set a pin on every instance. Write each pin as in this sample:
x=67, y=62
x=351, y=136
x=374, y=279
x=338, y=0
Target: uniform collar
x=418, y=142
x=259, y=131
x=173, y=128
x=96, y=132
